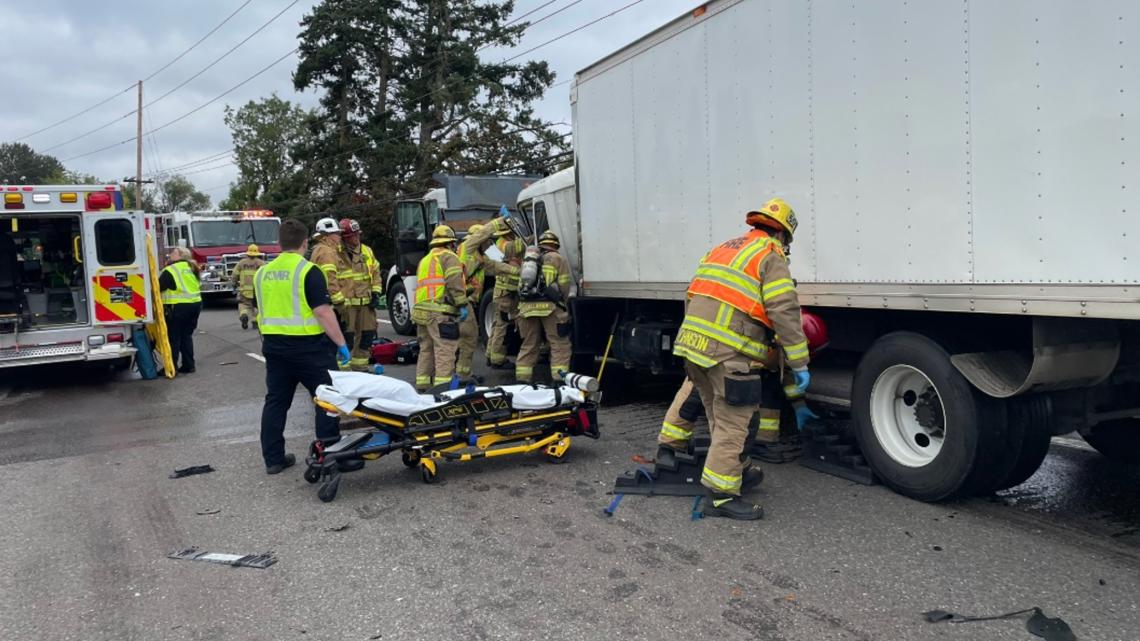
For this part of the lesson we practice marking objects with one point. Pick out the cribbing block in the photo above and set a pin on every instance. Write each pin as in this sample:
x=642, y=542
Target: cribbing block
x=825, y=451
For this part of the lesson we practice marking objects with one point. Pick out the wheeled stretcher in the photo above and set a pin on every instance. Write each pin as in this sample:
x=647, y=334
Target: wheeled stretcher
x=449, y=425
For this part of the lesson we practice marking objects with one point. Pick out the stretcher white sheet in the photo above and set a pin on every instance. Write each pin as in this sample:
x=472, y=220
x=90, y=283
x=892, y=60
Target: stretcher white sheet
x=393, y=396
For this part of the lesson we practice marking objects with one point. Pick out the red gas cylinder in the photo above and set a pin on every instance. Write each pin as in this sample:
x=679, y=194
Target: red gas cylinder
x=816, y=332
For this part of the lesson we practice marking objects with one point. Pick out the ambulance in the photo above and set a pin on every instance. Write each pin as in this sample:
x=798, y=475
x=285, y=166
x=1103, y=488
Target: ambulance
x=219, y=239
x=74, y=275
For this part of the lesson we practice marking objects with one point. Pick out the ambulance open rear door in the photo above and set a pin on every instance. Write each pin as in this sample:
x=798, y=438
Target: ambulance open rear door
x=116, y=266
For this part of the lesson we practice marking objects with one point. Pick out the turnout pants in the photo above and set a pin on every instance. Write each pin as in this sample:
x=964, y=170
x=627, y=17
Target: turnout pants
x=283, y=371
x=731, y=396
x=681, y=417
x=246, y=308
x=359, y=327
x=532, y=330
x=468, y=342
x=436, y=364
x=181, y=323
x=506, y=309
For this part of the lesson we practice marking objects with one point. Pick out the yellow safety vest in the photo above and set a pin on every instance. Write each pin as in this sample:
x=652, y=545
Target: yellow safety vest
x=281, y=306
x=187, y=288
x=431, y=285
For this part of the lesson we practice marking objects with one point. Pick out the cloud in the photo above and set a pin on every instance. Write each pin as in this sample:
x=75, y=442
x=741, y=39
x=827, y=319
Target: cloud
x=65, y=55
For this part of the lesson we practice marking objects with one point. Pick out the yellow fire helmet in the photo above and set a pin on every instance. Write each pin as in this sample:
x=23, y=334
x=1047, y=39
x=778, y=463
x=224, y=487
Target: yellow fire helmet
x=549, y=240
x=442, y=236
x=474, y=229
x=776, y=212
x=252, y=250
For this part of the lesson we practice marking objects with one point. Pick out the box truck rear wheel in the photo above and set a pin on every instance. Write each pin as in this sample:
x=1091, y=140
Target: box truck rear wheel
x=1118, y=440
x=926, y=432
x=400, y=310
x=486, y=316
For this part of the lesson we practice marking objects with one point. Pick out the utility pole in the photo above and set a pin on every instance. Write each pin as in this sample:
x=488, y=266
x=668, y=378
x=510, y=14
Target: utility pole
x=138, y=151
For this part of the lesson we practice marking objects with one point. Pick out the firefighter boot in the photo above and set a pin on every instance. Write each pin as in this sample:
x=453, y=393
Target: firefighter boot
x=666, y=458
x=752, y=477
x=244, y=321
x=732, y=507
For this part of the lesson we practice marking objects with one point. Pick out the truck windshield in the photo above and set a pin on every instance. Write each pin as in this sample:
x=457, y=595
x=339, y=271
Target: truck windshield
x=219, y=233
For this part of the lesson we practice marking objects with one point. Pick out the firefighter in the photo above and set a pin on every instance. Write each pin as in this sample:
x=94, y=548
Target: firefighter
x=301, y=342
x=242, y=281
x=506, y=300
x=543, y=311
x=476, y=265
x=327, y=256
x=182, y=304
x=741, y=299
x=360, y=284
x=441, y=300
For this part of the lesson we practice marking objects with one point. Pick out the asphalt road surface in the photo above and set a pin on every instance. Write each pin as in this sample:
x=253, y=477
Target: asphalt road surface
x=511, y=548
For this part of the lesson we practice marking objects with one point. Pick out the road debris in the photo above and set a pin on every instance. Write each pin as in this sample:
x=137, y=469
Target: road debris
x=208, y=511
x=259, y=561
x=192, y=470
x=1050, y=629
x=338, y=528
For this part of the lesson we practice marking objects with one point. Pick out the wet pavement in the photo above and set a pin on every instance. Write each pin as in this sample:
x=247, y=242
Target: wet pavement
x=504, y=549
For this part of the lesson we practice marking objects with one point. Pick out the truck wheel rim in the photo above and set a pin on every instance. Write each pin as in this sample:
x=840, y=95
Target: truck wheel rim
x=400, y=312
x=907, y=416
x=489, y=321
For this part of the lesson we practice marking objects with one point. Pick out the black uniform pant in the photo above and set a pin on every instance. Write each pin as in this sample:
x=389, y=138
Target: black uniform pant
x=181, y=323
x=284, y=369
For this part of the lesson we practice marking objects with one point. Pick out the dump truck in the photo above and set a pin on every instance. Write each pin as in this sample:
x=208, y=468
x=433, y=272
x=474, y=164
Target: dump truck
x=964, y=179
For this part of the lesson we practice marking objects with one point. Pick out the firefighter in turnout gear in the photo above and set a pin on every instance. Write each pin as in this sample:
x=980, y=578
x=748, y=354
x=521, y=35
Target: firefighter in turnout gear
x=542, y=310
x=360, y=284
x=242, y=280
x=329, y=258
x=476, y=266
x=439, y=308
x=506, y=301
x=742, y=307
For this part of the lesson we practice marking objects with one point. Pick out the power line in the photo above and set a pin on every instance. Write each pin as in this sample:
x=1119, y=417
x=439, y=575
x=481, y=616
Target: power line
x=132, y=85
x=573, y=31
x=182, y=84
x=200, y=41
x=189, y=113
x=199, y=161
x=549, y=15
x=224, y=55
x=534, y=10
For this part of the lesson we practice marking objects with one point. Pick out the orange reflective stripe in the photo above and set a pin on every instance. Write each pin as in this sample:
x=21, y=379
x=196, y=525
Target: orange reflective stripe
x=730, y=273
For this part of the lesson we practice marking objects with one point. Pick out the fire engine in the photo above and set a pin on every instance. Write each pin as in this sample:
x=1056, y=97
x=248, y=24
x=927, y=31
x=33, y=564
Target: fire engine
x=219, y=239
x=74, y=275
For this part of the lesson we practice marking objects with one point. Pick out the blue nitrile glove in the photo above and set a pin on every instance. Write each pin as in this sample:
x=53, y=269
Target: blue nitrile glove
x=377, y=369
x=504, y=212
x=342, y=355
x=803, y=379
x=463, y=314
x=803, y=415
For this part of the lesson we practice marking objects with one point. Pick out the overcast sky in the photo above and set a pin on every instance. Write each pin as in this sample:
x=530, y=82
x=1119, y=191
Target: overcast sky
x=60, y=56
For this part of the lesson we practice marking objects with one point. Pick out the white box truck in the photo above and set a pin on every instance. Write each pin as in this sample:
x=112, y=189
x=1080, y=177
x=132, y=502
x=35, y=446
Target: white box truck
x=964, y=175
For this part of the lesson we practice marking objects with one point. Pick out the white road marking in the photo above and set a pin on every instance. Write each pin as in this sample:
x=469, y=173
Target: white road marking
x=256, y=357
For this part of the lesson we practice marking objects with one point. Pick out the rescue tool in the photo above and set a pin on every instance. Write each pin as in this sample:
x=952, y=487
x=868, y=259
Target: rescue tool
x=447, y=425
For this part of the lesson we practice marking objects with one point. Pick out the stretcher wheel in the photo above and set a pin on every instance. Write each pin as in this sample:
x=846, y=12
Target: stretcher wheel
x=312, y=475
x=328, y=491
x=429, y=475
x=411, y=458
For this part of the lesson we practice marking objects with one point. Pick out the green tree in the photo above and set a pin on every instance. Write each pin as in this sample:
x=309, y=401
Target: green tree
x=406, y=94
x=21, y=165
x=265, y=134
x=176, y=193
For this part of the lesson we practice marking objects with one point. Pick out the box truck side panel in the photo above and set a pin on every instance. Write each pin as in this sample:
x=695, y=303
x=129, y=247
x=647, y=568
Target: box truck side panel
x=604, y=127
x=759, y=115
x=671, y=143
x=1056, y=115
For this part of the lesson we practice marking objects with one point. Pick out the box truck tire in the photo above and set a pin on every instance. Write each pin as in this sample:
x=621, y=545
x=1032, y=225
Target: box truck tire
x=486, y=316
x=1117, y=440
x=1029, y=436
x=924, y=430
x=400, y=310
